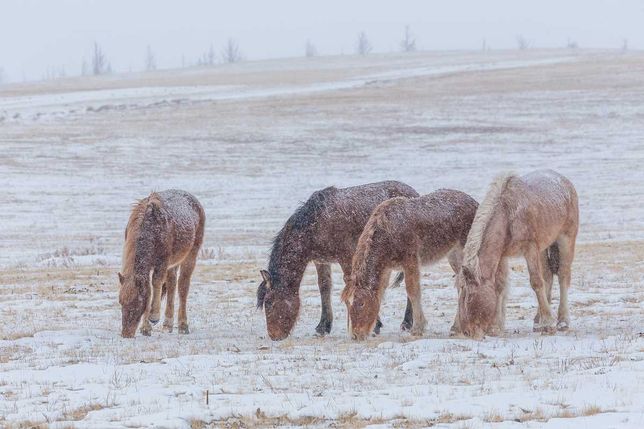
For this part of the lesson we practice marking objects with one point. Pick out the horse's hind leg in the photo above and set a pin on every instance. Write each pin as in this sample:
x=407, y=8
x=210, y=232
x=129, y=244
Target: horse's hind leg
x=325, y=283
x=546, y=321
x=548, y=276
x=185, y=273
x=170, y=288
x=566, y=255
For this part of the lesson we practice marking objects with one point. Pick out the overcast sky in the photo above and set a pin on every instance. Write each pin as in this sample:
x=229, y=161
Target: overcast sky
x=36, y=35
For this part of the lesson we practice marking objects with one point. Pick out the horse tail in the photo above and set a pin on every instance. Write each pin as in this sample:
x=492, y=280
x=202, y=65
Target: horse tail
x=553, y=258
x=398, y=280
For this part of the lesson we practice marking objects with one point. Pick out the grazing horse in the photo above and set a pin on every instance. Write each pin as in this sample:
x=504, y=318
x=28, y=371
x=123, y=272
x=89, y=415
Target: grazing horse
x=325, y=229
x=163, y=236
x=405, y=233
x=536, y=216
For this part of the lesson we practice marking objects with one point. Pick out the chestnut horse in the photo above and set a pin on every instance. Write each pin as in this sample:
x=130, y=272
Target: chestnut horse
x=405, y=233
x=536, y=216
x=325, y=229
x=163, y=236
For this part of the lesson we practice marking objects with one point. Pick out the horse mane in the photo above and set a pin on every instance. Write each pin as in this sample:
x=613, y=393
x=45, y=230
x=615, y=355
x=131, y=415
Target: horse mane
x=133, y=230
x=361, y=255
x=296, y=226
x=481, y=220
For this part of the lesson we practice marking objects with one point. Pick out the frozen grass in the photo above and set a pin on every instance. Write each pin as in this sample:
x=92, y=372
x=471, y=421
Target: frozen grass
x=450, y=120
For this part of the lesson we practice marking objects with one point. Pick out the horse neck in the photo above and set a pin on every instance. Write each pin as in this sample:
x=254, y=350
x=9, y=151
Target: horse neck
x=144, y=256
x=288, y=261
x=493, y=243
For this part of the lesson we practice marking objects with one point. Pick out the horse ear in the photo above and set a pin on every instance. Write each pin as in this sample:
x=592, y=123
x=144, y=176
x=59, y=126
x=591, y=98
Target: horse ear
x=121, y=279
x=261, y=294
x=267, y=277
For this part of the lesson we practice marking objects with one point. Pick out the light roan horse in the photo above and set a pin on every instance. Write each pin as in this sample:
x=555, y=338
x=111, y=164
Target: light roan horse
x=405, y=233
x=163, y=236
x=325, y=229
x=536, y=216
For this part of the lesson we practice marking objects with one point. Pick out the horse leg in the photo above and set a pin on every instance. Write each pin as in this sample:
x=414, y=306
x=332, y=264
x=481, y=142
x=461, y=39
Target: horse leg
x=158, y=278
x=566, y=256
x=412, y=284
x=546, y=322
x=501, y=288
x=325, y=283
x=170, y=290
x=455, y=259
x=408, y=318
x=547, y=279
x=185, y=273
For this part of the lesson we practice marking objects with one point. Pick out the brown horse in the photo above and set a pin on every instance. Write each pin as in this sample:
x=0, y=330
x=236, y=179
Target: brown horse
x=536, y=216
x=325, y=229
x=163, y=236
x=405, y=233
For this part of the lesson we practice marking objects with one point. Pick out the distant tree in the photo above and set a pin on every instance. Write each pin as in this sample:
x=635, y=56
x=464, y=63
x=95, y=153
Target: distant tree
x=408, y=43
x=363, y=46
x=2, y=75
x=484, y=47
x=523, y=43
x=624, y=45
x=100, y=64
x=309, y=49
x=230, y=52
x=208, y=57
x=84, y=68
x=150, y=60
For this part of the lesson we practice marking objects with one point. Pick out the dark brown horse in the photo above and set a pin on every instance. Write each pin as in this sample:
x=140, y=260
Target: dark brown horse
x=535, y=216
x=405, y=233
x=324, y=230
x=163, y=237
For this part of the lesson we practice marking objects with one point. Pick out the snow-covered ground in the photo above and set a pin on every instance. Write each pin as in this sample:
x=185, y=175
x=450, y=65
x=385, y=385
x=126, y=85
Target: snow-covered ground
x=253, y=140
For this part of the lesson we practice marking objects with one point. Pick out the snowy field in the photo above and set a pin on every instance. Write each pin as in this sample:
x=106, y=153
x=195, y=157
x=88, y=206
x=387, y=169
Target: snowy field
x=253, y=140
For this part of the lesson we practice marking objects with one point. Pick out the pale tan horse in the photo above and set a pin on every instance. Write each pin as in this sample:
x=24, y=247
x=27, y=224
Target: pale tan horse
x=405, y=233
x=163, y=236
x=535, y=216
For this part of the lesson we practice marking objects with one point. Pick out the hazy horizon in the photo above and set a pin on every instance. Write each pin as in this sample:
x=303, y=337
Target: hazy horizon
x=39, y=38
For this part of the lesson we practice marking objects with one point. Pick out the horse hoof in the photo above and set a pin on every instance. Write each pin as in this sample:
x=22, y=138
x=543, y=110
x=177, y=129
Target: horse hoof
x=405, y=326
x=494, y=332
x=544, y=329
x=563, y=325
x=167, y=327
x=184, y=329
x=153, y=321
x=376, y=329
x=323, y=328
x=146, y=332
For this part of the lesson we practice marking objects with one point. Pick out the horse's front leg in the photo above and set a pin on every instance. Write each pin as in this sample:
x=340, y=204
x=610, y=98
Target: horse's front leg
x=412, y=284
x=325, y=284
x=501, y=289
x=152, y=311
x=546, y=321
